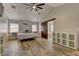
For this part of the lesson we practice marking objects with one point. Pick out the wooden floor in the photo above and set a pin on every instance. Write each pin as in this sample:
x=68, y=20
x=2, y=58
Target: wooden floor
x=13, y=48
x=37, y=47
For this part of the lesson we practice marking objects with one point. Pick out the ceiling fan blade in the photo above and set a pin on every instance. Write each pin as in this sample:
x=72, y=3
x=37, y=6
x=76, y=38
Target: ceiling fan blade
x=40, y=7
x=41, y=4
x=28, y=7
x=29, y=4
x=33, y=3
x=36, y=9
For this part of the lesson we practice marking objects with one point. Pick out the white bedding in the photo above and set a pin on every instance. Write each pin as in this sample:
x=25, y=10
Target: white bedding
x=21, y=36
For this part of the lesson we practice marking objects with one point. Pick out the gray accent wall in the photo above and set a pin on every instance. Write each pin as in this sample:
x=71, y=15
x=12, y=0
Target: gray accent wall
x=23, y=27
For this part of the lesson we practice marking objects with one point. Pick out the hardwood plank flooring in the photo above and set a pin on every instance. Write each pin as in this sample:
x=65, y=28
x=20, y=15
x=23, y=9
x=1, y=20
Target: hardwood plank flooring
x=13, y=48
x=37, y=47
x=42, y=47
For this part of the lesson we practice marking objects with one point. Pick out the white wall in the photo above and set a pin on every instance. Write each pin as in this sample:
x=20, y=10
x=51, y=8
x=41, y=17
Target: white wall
x=4, y=20
x=67, y=18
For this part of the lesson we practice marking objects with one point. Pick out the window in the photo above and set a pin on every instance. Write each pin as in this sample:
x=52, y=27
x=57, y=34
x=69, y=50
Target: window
x=14, y=27
x=3, y=27
x=34, y=28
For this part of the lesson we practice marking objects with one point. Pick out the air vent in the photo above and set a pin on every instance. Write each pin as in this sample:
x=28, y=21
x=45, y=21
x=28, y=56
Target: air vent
x=13, y=7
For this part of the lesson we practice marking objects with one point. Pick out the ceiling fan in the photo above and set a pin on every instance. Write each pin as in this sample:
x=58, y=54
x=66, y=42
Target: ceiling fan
x=34, y=6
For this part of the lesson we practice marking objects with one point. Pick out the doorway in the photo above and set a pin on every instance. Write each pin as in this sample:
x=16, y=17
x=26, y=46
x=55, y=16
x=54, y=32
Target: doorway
x=50, y=30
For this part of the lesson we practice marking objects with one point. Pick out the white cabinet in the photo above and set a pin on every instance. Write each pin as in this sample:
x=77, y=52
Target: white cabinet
x=65, y=39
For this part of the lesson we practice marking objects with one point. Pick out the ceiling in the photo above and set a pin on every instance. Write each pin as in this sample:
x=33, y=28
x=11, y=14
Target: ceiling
x=21, y=13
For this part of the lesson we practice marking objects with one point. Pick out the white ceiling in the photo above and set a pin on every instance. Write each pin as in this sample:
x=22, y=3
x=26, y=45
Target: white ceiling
x=55, y=4
x=20, y=13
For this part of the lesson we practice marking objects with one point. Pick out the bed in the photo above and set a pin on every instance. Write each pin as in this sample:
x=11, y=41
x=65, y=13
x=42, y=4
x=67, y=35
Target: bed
x=22, y=36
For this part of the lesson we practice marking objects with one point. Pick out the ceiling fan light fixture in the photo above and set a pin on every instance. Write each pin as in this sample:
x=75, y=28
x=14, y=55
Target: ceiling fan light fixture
x=34, y=7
